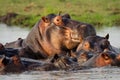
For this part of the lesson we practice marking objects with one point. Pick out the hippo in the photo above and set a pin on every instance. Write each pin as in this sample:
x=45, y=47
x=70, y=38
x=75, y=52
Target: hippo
x=11, y=65
x=53, y=34
x=17, y=64
x=9, y=52
x=90, y=59
x=94, y=44
x=102, y=59
x=91, y=46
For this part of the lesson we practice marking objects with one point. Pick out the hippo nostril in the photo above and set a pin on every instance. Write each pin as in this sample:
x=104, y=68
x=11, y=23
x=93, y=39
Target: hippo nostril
x=57, y=20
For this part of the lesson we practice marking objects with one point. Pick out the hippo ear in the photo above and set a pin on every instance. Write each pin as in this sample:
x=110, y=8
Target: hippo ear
x=107, y=36
x=66, y=16
x=105, y=56
x=1, y=46
x=45, y=19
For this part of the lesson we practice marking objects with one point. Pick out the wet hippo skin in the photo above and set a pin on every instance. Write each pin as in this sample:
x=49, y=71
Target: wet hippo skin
x=16, y=64
x=49, y=37
x=94, y=44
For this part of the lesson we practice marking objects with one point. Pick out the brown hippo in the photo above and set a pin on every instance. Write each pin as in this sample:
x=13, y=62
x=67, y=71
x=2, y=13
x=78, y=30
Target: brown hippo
x=9, y=52
x=101, y=59
x=16, y=64
x=91, y=46
x=53, y=35
x=11, y=65
x=94, y=44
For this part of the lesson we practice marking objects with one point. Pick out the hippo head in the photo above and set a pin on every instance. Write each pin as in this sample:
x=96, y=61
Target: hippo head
x=11, y=65
x=102, y=59
x=56, y=25
x=3, y=63
x=96, y=44
x=78, y=30
x=74, y=30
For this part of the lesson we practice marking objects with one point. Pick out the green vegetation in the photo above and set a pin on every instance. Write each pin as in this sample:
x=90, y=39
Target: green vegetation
x=95, y=12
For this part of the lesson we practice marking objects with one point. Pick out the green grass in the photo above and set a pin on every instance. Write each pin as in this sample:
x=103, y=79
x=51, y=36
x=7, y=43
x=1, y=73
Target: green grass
x=95, y=12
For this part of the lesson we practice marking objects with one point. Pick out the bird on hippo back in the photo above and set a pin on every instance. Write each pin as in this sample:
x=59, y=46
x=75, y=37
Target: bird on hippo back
x=54, y=34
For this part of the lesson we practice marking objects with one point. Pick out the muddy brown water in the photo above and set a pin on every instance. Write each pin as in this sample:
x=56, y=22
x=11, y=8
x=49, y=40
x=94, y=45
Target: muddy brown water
x=8, y=34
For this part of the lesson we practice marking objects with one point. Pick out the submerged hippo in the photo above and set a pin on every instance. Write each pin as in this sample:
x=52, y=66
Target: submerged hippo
x=104, y=58
x=16, y=64
x=9, y=52
x=11, y=65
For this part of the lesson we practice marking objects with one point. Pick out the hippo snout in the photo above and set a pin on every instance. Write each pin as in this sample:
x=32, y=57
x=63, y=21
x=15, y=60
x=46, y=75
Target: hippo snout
x=75, y=36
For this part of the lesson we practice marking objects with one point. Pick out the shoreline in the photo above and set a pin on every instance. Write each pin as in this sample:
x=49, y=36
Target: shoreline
x=26, y=13
x=29, y=21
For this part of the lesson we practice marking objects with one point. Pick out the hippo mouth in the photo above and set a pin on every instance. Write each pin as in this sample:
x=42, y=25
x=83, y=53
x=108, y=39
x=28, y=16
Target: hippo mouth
x=75, y=37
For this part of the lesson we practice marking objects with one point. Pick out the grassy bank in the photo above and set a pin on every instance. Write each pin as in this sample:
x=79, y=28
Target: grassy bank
x=95, y=12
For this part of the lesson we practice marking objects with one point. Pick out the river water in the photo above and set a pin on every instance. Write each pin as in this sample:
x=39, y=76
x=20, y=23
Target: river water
x=8, y=34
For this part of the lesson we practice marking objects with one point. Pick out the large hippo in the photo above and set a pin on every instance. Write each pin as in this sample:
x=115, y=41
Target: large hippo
x=16, y=64
x=53, y=35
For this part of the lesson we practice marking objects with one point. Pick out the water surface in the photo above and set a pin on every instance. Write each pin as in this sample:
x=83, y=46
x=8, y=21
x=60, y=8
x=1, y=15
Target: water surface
x=114, y=33
x=11, y=33
x=8, y=34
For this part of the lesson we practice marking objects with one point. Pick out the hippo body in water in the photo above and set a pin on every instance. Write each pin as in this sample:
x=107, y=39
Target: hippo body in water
x=105, y=58
x=16, y=64
x=96, y=51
